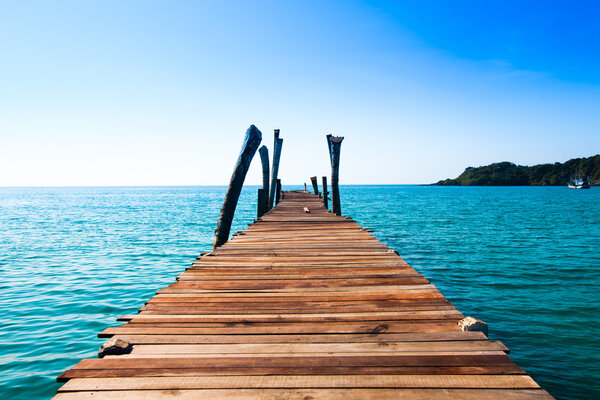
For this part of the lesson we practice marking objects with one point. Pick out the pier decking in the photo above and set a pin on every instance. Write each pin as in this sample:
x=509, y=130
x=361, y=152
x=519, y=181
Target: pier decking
x=301, y=305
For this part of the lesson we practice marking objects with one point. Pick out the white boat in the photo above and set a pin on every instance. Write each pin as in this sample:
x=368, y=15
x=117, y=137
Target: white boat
x=579, y=183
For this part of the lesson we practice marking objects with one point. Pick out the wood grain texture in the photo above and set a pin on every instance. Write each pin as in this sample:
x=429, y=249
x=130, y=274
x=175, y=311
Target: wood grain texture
x=303, y=381
x=310, y=394
x=300, y=306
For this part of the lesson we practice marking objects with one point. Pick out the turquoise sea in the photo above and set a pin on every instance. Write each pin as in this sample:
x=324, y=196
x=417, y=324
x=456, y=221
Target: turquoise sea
x=524, y=259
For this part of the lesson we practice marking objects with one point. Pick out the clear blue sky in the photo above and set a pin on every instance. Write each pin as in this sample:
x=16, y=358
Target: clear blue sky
x=161, y=92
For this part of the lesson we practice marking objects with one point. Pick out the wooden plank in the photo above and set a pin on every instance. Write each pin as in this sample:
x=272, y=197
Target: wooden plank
x=312, y=370
x=257, y=348
x=194, y=276
x=399, y=297
x=330, y=338
x=422, y=296
x=309, y=394
x=280, y=317
x=267, y=284
x=281, y=309
x=304, y=265
x=390, y=290
x=478, y=353
x=302, y=381
x=306, y=272
x=284, y=361
x=344, y=311
x=242, y=327
x=387, y=291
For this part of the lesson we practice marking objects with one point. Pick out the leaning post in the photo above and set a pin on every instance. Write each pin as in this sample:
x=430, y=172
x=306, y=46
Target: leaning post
x=277, y=145
x=335, y=143
x=263, y=199
x=325, y=193
x=313, y=179
x=251, y=142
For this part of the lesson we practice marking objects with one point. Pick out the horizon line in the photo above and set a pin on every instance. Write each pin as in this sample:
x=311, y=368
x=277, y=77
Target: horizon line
x=166, y=186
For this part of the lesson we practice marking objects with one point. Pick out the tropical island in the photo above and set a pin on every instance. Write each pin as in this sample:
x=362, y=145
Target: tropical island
x=509, y=174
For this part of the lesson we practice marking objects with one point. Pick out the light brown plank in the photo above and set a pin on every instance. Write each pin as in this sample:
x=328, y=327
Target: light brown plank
x=310, y=394
x=303, y=381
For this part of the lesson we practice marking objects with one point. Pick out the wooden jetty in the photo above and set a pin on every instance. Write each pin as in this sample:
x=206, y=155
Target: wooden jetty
x=304, y=304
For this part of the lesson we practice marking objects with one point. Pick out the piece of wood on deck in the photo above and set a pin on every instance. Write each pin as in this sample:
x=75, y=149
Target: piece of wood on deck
x=301, y=305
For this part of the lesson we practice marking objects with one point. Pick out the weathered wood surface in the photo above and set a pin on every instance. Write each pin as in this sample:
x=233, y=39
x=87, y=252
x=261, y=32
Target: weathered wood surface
x=277, y=147
x=262, y=203
x=334, y=144
x=263, y=195
x=300, y=306
x=325, y=192
x=313, y=180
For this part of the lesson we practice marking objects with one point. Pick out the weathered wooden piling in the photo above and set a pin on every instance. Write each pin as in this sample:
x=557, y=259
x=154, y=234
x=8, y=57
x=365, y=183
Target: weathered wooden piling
x=334, y=143
x=277, y=145
x=263, y=199
x=278, y=194
x=325, y=192
x=313, y=179
x=251, y=143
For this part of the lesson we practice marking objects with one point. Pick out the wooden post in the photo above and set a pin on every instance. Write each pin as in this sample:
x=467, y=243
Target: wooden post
x=325, y=193
x=335, y=143
x=313, y=179
x=277, y=145
x=278, y=190
x=263, y=200
x=251, y=142
x=305, y=186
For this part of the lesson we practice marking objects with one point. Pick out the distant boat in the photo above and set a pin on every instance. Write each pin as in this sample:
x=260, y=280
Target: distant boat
x=579, y=183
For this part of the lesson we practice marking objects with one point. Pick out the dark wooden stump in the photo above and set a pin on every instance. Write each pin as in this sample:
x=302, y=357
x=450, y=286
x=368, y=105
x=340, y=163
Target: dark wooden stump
x=335, y=143
x=263, y=200
x=325, y=193
x=278, y=190
x=313, y=180
x=277, y=145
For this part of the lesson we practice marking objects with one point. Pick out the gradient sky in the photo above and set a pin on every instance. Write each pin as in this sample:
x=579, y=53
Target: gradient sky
x=161, y=92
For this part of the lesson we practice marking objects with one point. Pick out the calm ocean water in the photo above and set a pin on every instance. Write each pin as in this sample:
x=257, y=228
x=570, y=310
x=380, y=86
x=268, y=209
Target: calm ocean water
x=524, y=259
